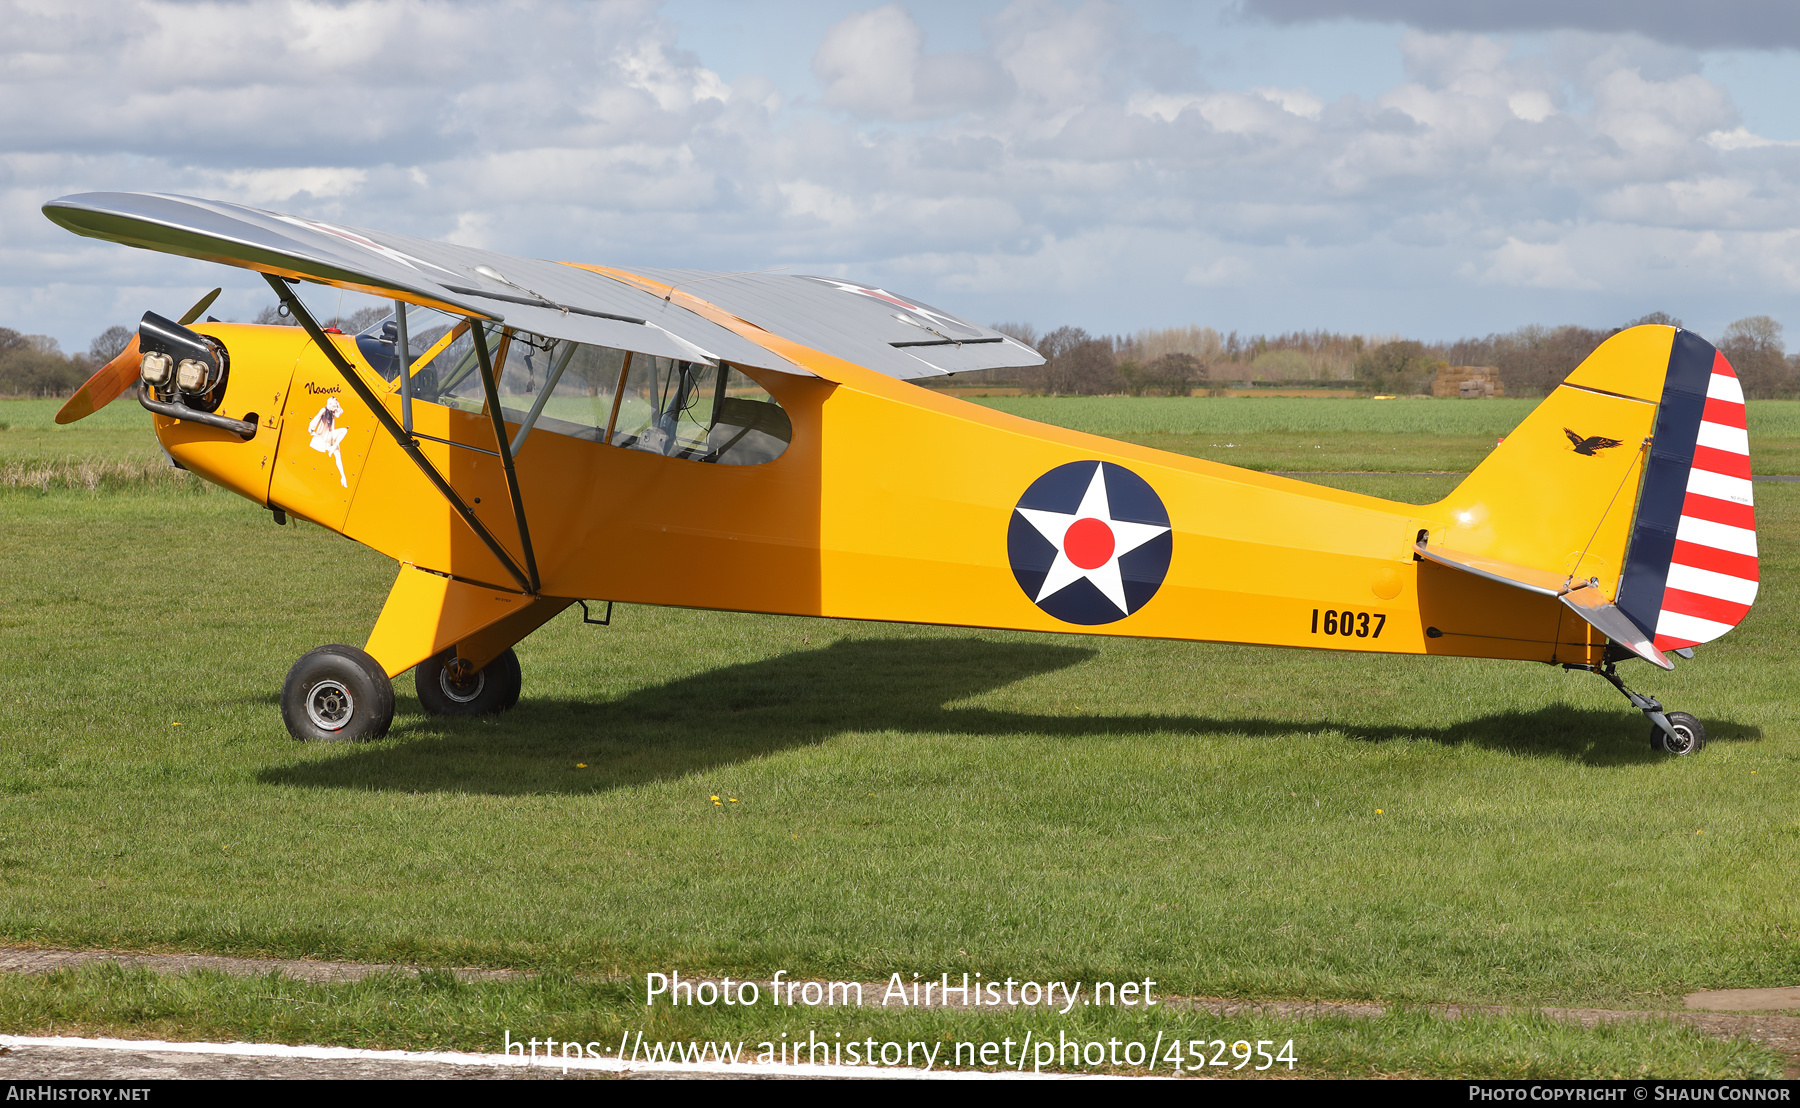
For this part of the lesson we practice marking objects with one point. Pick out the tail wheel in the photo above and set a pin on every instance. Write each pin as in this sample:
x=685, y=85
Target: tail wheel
x=445, y=689
x=1689, y=736
x=337, y=694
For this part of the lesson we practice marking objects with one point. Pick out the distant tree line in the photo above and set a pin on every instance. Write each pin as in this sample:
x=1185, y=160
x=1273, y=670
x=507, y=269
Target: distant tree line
x=1179, y=361
x=360, y=320
x=35, y=365
x=1173, y=361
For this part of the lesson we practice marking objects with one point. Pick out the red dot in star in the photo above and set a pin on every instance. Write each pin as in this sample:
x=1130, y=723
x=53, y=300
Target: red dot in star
x=1088, y=543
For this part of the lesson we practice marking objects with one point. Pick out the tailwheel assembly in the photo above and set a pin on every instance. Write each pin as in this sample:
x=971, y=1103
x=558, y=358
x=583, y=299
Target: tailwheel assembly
x=448, y=686
x=1675, y=733
x=1684, y=736
x=337, y=694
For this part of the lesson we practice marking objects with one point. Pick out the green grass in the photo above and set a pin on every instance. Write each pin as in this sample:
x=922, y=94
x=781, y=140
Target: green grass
x=435, y=1011
x=1043, y=803
x=119, y=432
x=907, y=799
x=1313, y=435
x=1114, y=415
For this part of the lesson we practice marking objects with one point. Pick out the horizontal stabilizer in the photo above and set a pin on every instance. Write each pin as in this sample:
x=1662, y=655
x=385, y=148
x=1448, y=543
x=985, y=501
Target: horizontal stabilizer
x=1579, y=597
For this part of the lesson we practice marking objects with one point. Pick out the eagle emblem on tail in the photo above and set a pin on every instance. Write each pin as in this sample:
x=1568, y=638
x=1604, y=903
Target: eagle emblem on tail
x=1591, y=445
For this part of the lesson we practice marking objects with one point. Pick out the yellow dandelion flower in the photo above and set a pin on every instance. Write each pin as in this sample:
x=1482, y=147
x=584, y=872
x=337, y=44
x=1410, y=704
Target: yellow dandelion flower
x=1378, y=811
x=734, y=800
x=580, y=765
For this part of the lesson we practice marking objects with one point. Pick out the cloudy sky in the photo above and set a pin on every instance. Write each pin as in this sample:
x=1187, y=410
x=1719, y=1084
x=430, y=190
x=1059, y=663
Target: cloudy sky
x=1425, y=167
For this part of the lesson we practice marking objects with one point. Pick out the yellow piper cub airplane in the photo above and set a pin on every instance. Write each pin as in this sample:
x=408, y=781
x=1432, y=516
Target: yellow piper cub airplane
x=521, y=435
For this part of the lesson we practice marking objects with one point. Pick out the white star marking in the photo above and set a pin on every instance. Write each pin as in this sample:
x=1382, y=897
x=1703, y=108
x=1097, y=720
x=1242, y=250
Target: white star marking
x=1127, y=537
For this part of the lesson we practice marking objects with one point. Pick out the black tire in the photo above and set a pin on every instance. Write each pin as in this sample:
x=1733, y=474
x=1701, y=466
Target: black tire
x=494, y=687
x=1689, y=737
x=337, y=694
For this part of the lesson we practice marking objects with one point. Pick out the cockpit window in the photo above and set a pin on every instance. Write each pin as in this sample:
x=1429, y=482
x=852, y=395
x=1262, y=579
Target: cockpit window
x=699, y=411
x=692, y=410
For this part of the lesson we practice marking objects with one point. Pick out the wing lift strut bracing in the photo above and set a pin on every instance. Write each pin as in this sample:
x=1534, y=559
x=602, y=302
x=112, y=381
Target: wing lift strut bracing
x=522, y=569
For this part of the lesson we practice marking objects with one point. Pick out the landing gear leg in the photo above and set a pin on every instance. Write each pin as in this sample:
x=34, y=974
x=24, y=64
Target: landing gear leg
x=1675, y=733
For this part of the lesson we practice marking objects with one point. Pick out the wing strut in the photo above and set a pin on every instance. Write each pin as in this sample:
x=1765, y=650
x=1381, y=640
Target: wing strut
x=406, y=441
x=491, y=388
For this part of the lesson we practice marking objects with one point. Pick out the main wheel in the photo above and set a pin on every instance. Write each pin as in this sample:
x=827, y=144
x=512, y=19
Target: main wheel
x=1689, y=735
x=492, y=688
x=337, y=694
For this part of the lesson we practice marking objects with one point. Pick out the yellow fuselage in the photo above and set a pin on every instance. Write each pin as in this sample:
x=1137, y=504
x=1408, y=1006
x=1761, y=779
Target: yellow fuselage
x=893, y=502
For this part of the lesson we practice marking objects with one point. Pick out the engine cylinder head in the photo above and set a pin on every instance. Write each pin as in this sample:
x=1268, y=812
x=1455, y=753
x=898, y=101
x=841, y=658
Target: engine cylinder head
x=193, y=375
x=176, y=358
x=156, y=369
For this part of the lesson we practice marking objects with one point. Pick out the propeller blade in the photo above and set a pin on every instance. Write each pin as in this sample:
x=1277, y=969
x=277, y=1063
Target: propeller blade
x=201, y=305
x=104, y=386
x=112, y=379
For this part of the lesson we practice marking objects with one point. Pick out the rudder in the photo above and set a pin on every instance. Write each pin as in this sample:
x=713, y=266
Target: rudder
x=1691, y=570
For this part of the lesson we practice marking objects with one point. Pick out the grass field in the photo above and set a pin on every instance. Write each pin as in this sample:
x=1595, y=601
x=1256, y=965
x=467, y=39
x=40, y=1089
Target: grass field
x=1306, y=435
x=1228, y=821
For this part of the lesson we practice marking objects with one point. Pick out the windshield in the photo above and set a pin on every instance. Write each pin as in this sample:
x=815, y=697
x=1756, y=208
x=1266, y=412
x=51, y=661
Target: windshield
x=425, y=327
x=691, y=410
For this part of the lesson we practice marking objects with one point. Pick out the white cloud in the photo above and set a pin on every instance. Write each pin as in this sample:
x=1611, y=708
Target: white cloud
x=1740, y=138
x=1220, y=271
x=873, y=64
x=1295, y=100
x=1077, y=168
x=1544, y=265
x=1532, y=105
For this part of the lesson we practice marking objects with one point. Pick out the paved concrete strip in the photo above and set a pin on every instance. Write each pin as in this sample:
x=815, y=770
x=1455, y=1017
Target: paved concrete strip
x=1745, y=1000
x=15, y=960
x=1725, y=1013
x=157, y=1059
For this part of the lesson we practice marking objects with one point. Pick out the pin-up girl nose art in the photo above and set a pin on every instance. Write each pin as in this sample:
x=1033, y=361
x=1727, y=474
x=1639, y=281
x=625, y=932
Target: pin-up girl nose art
x=327, y=436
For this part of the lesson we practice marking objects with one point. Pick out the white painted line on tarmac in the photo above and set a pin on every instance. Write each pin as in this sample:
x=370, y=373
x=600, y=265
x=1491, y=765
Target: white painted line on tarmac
x=516, y=1061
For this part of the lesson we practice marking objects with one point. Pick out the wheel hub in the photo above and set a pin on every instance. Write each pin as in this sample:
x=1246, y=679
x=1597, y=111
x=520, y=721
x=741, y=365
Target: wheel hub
x=329, y=705
x=465, y=690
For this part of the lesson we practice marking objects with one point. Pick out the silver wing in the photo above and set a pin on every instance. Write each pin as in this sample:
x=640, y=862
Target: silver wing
x=885, y=332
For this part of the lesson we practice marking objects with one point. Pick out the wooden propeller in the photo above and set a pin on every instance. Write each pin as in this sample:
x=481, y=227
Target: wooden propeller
x=111, y=380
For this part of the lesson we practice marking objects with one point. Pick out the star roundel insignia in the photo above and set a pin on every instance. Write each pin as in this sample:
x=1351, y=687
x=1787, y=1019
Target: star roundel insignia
x=1090, y=542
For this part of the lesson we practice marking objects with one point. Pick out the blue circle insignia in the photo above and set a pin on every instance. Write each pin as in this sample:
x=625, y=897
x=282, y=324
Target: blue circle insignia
x=1090, y=542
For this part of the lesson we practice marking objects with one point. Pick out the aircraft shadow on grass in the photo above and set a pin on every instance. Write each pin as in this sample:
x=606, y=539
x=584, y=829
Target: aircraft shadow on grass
x=743, y=712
